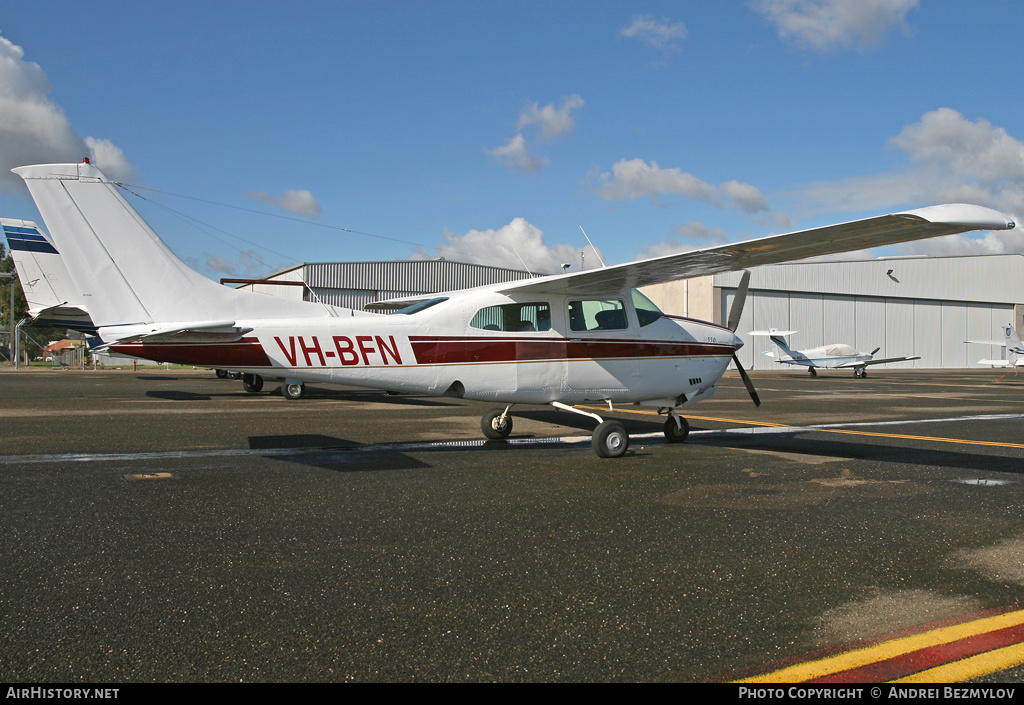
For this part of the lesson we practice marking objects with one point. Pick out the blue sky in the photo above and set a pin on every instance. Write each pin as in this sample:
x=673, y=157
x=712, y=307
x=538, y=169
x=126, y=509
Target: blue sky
x=263, y=134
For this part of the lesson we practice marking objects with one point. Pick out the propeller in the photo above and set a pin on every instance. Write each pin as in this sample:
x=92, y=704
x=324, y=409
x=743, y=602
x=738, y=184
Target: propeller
x=734, y=321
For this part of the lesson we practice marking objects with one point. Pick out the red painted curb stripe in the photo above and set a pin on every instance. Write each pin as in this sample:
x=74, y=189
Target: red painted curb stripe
x=923, y=659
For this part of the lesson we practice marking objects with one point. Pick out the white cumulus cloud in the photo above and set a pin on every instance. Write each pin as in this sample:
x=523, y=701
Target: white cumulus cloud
x=825, y=25
x=660, y=35
x=949, y=159
x=514, y=245
x=516, y=156
x=35, y=130
x=635, y=178
x=297, y=201
x=550, y=121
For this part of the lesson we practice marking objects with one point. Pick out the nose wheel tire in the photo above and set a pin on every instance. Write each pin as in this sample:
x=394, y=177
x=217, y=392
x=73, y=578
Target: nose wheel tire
x=676, y=433
x=610, y=439
x=293, y=391
x=494, y=426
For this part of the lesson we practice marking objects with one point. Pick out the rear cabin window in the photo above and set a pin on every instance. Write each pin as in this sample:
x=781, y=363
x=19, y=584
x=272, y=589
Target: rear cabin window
x=597, y=314
x=514, y=318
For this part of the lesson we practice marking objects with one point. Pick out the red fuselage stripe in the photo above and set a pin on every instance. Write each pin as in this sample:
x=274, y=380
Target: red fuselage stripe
x=451, y=351
x=245, y=353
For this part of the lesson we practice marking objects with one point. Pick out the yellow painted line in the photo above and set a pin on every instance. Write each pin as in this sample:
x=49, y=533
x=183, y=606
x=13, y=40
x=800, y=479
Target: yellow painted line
x=742, y=422
x=971, y=667
x=897, y=647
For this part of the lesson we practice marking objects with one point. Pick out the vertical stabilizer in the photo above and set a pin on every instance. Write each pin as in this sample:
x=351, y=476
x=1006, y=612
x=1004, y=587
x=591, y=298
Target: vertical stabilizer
x=1014, y=348
x=124, y=272
x=49, y=290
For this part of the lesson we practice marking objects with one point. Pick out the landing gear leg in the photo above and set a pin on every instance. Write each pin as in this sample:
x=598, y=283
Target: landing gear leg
x=252, y=383
x=610, y=439
x=497, y=423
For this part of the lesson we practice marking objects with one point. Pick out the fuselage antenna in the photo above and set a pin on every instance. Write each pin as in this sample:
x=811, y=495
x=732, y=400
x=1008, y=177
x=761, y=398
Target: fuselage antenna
x=592, y=246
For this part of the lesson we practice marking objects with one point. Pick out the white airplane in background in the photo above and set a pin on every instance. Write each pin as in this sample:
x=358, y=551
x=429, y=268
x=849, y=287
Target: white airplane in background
x=832, y=356
x=574, y=338
x=1014, y=349
x=50, y=293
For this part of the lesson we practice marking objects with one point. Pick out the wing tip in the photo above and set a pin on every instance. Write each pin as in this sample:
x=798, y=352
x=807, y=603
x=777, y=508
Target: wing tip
x=963, y=214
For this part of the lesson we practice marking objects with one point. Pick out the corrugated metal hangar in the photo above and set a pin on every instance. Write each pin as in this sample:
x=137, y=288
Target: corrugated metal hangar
x=925, y=306
x=356, y=284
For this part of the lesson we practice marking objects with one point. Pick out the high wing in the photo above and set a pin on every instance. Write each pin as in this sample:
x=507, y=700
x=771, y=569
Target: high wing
x=864, y=363
x=832, y=239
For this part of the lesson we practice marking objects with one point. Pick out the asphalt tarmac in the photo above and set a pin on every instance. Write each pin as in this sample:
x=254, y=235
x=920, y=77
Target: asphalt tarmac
x=165, y=526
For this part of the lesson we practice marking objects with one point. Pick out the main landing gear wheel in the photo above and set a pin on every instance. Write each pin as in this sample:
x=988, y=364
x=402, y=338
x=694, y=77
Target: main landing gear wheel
x=676, y=433
x=222, y=374
x=293, y=390
x=814, y=372
x=494, y=426
x=610, y=439
x=860, y=372
x=252, y=383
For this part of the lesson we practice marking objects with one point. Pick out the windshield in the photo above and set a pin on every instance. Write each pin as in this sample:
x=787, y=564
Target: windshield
x=646, y=312
x=420, y=305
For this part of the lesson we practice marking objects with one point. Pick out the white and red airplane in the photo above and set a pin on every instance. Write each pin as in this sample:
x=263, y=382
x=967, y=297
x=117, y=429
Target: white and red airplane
x=561, y=340
x=827, y=357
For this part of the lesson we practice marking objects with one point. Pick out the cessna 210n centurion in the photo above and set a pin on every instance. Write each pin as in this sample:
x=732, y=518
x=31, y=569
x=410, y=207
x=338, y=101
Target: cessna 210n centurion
x=561, y=340
x=828, y=357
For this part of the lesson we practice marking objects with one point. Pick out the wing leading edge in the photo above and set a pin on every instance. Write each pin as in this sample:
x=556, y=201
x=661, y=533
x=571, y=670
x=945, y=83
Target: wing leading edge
x=907, y=226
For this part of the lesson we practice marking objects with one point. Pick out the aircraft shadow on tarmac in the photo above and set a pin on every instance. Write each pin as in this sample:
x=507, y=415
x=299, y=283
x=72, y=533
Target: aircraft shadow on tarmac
x=317, y=450
x=177, y=395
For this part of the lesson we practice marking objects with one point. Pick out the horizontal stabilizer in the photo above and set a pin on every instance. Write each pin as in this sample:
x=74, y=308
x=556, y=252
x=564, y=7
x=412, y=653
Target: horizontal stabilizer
x=201, y=332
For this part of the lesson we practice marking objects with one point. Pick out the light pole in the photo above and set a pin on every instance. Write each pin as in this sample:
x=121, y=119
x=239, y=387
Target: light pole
x=9, y=276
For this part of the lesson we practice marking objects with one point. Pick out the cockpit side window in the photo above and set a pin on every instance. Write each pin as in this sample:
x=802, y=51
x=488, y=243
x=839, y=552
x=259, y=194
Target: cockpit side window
x=514, y=318
x=646, y=311
x=597, y=314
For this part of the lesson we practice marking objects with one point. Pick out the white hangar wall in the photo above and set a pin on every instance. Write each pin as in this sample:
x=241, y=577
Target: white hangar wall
x=926, y=306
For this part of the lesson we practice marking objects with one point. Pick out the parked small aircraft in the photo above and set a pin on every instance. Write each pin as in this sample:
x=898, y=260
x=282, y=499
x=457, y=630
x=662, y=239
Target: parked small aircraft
x=561, y=340
x=50, y=293
x=1014, y=349
x=832, y=356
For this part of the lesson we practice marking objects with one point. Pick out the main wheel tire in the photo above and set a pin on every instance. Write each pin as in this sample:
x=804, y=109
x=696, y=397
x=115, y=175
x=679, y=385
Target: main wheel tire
x=293, y=391
x=814, y=372
x=676, y=433
x=493, y=426
x=610, y=439
x=252, y=383
x=222, y=374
